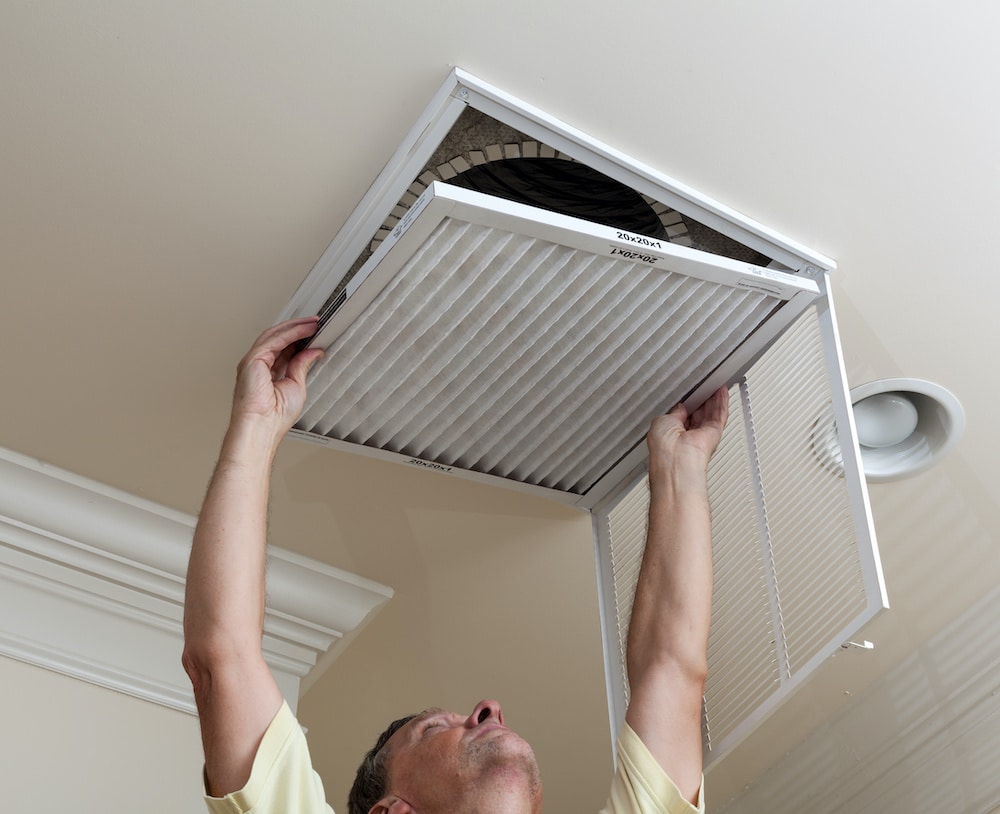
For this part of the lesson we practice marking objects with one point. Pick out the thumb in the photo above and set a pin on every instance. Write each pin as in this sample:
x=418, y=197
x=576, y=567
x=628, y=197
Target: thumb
x=680, y=412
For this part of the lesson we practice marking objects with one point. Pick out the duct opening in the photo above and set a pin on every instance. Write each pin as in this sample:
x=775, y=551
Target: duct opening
x=477, y=141
x=567, y=187
x=484, y=154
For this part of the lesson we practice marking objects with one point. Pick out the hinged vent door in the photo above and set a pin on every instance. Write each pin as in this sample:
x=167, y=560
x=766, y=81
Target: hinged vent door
x=796, y=566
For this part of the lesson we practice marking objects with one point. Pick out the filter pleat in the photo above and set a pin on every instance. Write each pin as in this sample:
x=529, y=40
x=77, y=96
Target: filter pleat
x=617, y=385
x=469, y=349
x=704, y=345
x=483, y=402
x=427, y=365
x=584, y=360
x=348, y=358
x=533, y=377
x=425, y=337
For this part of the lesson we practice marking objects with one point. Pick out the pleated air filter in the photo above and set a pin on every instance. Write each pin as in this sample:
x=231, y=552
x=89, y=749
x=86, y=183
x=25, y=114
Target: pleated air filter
x=523, y=322
x=499, y=339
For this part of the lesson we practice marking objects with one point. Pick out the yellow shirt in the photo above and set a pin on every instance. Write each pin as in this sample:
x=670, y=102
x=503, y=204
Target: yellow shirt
x=282, y=779
x=640, y=785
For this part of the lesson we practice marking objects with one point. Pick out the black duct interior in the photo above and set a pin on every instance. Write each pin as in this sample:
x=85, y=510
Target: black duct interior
x=568, y=187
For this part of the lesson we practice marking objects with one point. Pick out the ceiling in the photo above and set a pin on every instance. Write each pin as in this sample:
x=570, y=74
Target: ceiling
x=170, y=173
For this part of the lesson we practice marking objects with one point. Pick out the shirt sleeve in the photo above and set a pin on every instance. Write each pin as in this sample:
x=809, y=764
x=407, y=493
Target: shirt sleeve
x=640, y=785
x=282, y=778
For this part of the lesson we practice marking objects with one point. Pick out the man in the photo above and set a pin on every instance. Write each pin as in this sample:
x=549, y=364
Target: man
x=256, y=756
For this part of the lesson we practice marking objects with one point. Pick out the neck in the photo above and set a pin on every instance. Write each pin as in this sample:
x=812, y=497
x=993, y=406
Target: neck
x=501, y=797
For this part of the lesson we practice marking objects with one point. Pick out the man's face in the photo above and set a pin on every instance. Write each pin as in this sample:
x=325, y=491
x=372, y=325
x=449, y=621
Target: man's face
x=442, y=761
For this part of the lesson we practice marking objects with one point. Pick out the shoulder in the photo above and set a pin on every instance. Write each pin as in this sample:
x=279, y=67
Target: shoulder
x=282, y=778
x=641, y=786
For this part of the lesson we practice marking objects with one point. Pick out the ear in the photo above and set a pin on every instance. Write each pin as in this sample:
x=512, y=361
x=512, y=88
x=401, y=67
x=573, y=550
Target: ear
x=391, y=805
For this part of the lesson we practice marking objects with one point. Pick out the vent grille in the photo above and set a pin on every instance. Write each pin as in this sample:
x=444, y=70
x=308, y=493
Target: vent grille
x=520, y=356
x=788, y=554
x=746, y=639
x=626, y=527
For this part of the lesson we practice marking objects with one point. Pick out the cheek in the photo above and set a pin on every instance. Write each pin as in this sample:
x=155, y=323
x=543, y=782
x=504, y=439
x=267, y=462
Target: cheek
x=446, y=755
x=428, y=775
x=433, y=758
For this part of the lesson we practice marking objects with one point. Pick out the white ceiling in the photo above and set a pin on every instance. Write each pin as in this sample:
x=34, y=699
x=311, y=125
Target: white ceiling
x=170, y=172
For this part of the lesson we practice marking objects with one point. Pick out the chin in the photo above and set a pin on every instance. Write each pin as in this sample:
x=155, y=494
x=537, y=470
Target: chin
x=510, y=755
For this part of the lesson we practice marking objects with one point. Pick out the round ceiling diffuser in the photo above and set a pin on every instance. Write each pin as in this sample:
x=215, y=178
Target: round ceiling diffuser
x=904, y=426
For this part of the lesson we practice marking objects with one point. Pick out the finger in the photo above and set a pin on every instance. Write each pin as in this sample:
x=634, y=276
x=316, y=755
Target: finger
x=284, y=333
x=718, y=406
x=280, y=366
x=275, y=339
x=714, y=410
x=680, y=412
x=302, y=362
x=291, y=324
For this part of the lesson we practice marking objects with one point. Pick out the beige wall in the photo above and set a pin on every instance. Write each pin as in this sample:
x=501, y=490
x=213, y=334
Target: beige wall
x=66, y=745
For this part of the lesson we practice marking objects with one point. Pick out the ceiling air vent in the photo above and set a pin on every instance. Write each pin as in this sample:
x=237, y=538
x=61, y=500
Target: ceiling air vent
x=512, y=301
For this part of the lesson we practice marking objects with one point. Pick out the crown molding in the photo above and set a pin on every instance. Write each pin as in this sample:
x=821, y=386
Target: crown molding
x=92, y=586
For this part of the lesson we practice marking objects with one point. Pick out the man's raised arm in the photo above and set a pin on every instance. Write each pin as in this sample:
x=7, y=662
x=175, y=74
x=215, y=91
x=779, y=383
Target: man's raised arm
x=666, y=654
x=224, y=603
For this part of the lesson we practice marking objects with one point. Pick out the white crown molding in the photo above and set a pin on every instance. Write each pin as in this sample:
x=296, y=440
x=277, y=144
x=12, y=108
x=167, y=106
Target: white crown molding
x=92, y=586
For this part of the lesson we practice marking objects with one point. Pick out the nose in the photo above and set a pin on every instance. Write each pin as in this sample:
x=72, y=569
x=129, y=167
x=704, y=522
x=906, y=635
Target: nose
x=486, y=710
